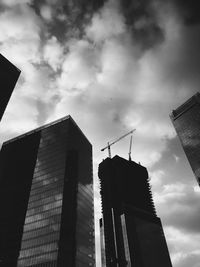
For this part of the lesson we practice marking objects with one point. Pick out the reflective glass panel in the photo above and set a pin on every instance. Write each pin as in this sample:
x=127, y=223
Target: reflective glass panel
x=43, y=217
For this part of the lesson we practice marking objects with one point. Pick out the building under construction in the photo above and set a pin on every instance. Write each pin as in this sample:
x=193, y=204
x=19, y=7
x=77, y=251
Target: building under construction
x=132, y=232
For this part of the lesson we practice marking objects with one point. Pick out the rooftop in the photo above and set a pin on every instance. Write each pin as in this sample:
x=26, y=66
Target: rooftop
x=185, y=106
x=6, y=64
x=68, y=117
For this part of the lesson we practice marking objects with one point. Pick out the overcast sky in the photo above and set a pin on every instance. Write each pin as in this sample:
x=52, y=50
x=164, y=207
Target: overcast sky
x=113, y=66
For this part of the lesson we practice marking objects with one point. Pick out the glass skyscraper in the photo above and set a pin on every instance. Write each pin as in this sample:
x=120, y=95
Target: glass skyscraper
x=186, y=121
x=46, y=193
x=102, y=243
x=9, y=76
x=133, y=234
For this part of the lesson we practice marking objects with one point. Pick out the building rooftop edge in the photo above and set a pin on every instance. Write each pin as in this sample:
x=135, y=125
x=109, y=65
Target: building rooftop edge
x=185, y=106
x=11, y=64
x=118, y=157
x=44, y=127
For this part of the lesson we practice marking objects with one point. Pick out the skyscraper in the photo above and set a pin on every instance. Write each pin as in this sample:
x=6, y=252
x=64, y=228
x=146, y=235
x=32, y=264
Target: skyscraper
x=133, y=233
x=186, y=121
x=46, y=198
x=102, y=243
x=9, y=76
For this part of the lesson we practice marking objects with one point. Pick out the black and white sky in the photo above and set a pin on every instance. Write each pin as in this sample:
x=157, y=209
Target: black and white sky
x=113, y=66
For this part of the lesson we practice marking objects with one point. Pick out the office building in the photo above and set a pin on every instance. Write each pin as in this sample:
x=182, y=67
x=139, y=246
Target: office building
x=186, y=121
x=9, y=76
x=46, y=198
x=133, y=233
x=102, y=243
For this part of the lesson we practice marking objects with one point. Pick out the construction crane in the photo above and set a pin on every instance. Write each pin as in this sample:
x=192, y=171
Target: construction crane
x=129, y=154
x=110, y=144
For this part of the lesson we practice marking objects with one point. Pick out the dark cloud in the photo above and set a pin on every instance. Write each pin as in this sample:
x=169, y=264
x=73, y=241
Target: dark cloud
x=182, y=65
x=187, y=214
x=140, y=18
x=69, y=17
x=189, y=10
x=142, y=22
x=175, y=164
x=135, y=9
x=132, y=78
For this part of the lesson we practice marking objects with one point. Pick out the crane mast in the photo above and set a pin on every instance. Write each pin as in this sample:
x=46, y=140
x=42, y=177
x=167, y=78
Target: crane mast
x=118, y=139
x=129, y=154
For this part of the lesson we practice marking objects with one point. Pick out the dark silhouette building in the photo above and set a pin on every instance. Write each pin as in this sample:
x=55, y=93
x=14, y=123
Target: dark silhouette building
x=46, y=198
x=102, y=243
x=9, y=76
x=132, y=231
x=186, y=121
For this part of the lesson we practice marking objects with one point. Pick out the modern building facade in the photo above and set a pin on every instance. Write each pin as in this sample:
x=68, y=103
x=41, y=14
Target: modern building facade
x=132, y=231
x=9, y=76
x=46, y=198
x=186, y=121
x=102, y=243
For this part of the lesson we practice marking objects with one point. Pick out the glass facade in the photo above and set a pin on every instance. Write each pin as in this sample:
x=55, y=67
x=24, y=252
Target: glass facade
x=186, y=120
x=57, y=216
x=85, y=229
x=102, y=243
x=43, y=217
x=79, y=178
x=16, y=172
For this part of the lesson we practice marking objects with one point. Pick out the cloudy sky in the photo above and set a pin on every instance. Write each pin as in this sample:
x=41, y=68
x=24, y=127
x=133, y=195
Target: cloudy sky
x=113, y=66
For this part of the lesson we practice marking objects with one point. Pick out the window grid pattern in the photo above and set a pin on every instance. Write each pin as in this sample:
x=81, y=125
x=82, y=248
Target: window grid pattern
x=39, y=246
x=84, y=227
x=187, y=127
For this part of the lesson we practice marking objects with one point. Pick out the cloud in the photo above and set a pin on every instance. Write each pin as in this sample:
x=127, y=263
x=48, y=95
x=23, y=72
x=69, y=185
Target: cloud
x=184, y=206
x=20, y=43
x=189, y=259
x=142, y=21
x=19, y=109
x=78, y=68
x=53, y=53
x=113, y=66
x=46, y=12
x=184, y=247
x=108, y=76
x=187, y=10
x=156, y=178
x=18, y=23
x=175, y=170
x=11, y=3
x=107, y=23
x=35, y=96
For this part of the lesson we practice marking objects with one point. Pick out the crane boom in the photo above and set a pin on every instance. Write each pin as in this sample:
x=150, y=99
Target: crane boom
x=110, y=144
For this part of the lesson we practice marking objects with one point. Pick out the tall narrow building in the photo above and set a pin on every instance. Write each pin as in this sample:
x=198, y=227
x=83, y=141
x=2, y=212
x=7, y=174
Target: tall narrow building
x=102, y=243
x=133, y=233
x=46, y=198
x=9, y=76
x=186, y=121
